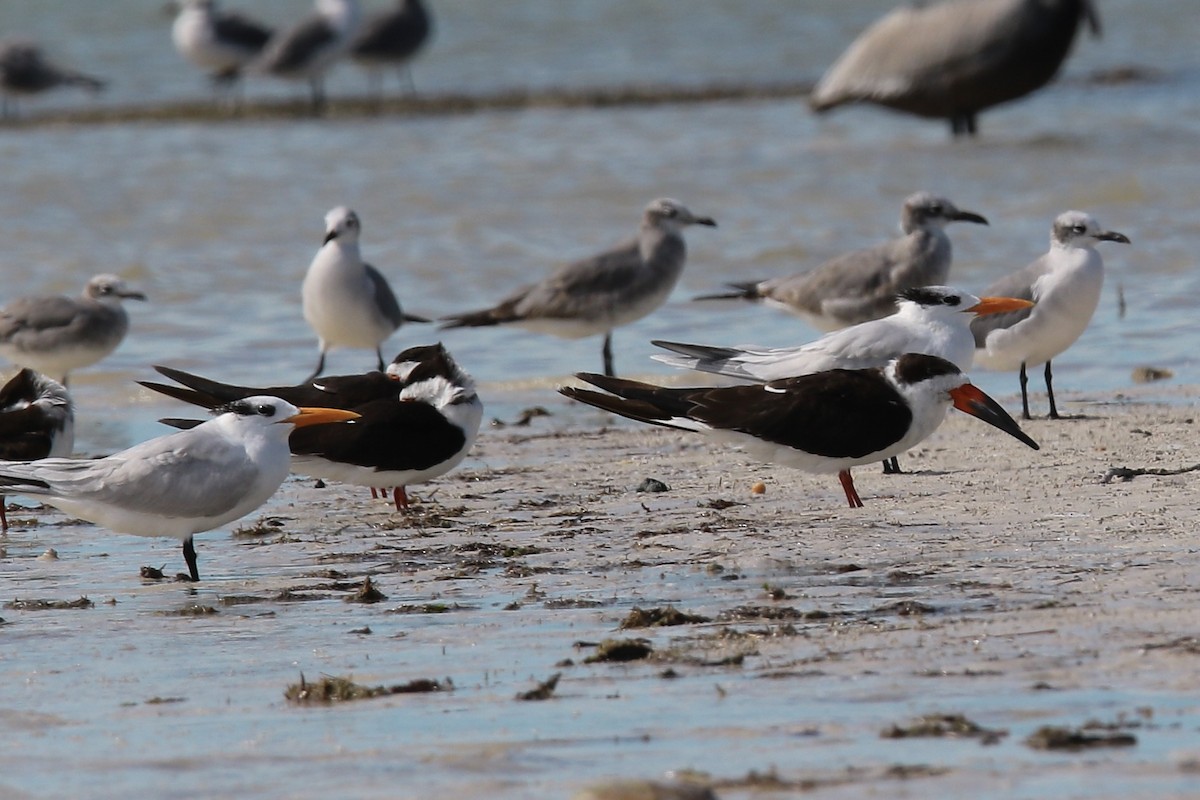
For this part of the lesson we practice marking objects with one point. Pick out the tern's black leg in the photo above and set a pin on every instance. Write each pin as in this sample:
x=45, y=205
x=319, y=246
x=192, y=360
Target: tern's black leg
x=1024, y=393
x=891, y=466
x=3, y=516
x=189, y=555
x=608, y=359
x=318, y=96
x=321, y=367
x=379, y=355
x=1050, y=392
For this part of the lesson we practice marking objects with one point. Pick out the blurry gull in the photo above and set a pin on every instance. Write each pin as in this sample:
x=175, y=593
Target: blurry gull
x=180, y=484
x=954, y=59
x=346, y=301
x=56, y=334
x=1065, y=284
x=24, y=70
x=307, y=49
x=825, y=422
x=935, y=320
x=606, y=291
x=220, y=42
x=863, y=284
x=391, y=39
x=417, y=421
x=37, y=420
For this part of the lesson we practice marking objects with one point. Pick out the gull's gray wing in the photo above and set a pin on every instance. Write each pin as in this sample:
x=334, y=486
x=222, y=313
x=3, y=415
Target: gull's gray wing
x=1017, y=284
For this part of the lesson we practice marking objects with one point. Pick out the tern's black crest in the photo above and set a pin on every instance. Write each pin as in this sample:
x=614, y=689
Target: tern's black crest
x=926, y=296
x=244, y=408
x=912, y=368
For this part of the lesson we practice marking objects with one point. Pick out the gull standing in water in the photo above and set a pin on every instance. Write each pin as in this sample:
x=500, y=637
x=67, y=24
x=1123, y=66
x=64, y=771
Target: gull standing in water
x=221, y=42
x=1065, y=284
x=37, y=420
x=391, y=39
x=604, y=292
x=306, y=50
x=824, y=422
x=347, y=301
x=863, y=284
x=56, y=334
x=952, y=60
x=180, y=484
x=25, y=70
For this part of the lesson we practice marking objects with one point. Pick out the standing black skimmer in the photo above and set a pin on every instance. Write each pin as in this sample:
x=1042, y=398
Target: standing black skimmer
x=935, y=320
x=1065, y=283
x=952, y=60
x=55, y=334
x=391, y=39
x=220, y=42
x=598, y=294
x=25, y=71
x=346, y=300
x=181, y=484
x=824, y=422
x=417, y=421
x=863, y=284
x=37, y=420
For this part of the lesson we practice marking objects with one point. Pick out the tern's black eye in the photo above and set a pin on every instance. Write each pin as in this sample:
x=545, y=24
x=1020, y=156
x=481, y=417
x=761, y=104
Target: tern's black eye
x=951, y=300
x=265, y=409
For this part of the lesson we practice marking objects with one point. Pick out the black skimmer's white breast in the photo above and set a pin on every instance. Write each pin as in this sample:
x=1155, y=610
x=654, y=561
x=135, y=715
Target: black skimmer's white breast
x=346, y=300
x=1065, y=284
x=863, y=284
x=952, y=60
x=55, y=334
x=180, y=484
x=37, y=420
x=417, y=422
x=824, y=422
x=604, y=292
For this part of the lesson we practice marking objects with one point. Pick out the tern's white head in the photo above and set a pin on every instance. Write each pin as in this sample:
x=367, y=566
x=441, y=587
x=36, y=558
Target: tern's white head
x=947, y=302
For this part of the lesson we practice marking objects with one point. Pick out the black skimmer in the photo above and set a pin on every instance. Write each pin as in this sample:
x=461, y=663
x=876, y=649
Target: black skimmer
x=180, y=484
x=863, y=284
x=346, y=300
x=825, y=422
x=417, y=422
x=1065, y=284
x=37, y=420
x=56, y=334
x=604, y=292
x=952, y=60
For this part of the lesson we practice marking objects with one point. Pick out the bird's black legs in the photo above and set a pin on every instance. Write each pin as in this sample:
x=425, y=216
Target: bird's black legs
x=891, y=466
x=379, y=355
x=1025, y=393
x=963, y=125
x=1050, y=392
x=321, y=366
x=608, y=359
x=189, y=556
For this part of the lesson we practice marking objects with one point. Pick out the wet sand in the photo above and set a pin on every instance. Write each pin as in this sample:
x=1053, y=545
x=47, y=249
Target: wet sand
x=1019, y=589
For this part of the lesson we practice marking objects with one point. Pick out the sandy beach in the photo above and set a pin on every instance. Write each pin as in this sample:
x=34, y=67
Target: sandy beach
x=1018, y=589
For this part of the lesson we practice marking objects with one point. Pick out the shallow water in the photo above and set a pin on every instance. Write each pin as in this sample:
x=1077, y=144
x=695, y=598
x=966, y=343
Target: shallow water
x=217, y=223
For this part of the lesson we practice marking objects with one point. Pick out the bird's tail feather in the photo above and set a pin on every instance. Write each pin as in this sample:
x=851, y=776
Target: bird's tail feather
x=739, y=291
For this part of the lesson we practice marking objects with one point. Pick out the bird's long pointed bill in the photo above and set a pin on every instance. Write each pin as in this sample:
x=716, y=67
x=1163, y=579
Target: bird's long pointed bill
x=320, y=416
x=970, y=216
x=971, y=400
x=998, y=305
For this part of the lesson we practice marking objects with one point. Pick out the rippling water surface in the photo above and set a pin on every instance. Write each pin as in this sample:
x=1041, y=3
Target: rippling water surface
x=217, y=221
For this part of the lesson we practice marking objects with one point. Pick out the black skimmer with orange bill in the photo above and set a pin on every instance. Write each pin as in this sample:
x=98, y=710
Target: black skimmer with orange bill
x=417, y=421
x=37, y=420
x=825, y=422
